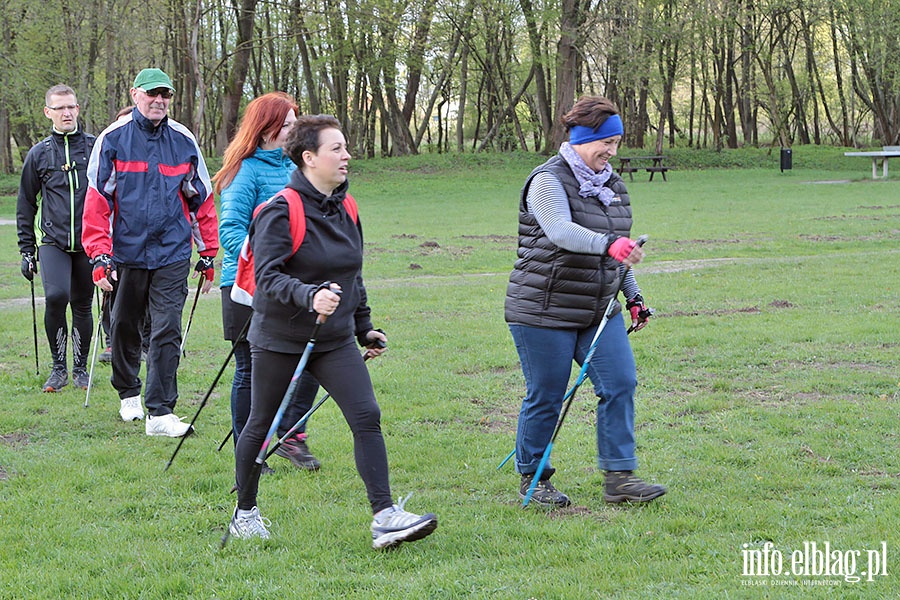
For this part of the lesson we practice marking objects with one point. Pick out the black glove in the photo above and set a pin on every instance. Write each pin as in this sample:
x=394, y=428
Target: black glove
x=29, y=266
x=640, y=313
x=207, y=267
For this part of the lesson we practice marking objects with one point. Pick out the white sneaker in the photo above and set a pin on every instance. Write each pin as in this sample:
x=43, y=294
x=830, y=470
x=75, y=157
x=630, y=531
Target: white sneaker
x=248, y=524
x=131, y=409
x=392, y=526
x=168, y=425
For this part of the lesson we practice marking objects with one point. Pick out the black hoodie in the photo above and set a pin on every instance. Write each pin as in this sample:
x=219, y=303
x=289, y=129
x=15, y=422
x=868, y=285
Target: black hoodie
x=332, y=251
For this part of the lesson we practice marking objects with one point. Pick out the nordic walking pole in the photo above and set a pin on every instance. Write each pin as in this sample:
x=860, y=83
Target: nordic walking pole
x=200, y=281
x=301, y=366
x=100, y=310
x=210, y=390
x=225, y=439
x=582, y=375
x=304, y=418
x=37, y=366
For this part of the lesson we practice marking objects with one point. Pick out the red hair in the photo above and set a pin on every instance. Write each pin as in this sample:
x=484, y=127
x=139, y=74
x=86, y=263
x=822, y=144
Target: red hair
x=264, y=117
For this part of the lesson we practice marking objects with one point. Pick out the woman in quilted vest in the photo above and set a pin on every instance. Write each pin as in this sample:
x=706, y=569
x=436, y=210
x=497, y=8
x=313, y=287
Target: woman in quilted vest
x=574, y=246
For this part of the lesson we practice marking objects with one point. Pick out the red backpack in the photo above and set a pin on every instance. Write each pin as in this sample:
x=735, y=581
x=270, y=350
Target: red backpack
x=245, y=280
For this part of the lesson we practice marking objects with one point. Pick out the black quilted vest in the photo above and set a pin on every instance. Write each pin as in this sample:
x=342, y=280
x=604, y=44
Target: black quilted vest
x=552, y=287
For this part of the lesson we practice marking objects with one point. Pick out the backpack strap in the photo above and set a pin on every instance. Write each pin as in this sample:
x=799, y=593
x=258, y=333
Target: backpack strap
x=245, y=280
x=351, y=208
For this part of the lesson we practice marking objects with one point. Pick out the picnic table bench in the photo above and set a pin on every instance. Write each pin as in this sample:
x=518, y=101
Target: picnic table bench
x=626, y=165
x=883, y=155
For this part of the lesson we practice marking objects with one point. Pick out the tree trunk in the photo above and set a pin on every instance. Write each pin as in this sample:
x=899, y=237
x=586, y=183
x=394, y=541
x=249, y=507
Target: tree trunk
x=568, y=64
x=245, y=12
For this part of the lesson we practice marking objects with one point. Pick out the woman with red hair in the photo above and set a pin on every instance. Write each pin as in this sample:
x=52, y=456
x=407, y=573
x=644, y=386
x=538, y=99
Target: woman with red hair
x=253, y=170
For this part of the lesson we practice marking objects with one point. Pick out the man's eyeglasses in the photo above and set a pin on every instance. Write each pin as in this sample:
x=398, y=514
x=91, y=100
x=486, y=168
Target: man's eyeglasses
x=164, y=92
x=63, y=107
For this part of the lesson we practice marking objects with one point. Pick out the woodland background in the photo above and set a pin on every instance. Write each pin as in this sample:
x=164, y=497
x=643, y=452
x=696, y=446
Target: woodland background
x=412, y=76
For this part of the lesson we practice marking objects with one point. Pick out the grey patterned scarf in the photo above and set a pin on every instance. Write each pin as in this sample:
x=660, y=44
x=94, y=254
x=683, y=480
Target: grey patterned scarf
x=590, y=181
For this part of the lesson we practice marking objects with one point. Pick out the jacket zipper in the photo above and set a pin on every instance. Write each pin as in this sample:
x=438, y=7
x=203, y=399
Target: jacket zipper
x=73, y=184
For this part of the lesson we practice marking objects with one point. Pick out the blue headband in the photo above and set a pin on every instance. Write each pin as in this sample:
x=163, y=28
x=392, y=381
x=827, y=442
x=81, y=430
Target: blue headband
x=611, y=127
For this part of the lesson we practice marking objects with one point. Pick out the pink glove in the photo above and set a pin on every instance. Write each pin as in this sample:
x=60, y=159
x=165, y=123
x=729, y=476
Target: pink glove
x=621, y=248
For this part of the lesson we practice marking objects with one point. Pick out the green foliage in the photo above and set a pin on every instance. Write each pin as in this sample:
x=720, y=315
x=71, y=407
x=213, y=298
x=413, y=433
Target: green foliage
x=767, y=404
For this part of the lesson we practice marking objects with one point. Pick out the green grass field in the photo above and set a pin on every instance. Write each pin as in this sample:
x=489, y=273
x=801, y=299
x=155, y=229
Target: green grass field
x=767, y=403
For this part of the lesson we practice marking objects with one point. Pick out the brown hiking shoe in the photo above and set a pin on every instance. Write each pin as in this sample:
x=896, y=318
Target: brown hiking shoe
x=624, y=486
x=544, y=493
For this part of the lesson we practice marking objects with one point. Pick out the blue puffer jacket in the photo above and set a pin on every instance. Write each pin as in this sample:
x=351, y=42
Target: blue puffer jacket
x=260, y=177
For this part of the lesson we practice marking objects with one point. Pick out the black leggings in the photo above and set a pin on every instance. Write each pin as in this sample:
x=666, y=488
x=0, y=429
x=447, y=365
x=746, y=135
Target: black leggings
x=67, y=281
x=343, y=374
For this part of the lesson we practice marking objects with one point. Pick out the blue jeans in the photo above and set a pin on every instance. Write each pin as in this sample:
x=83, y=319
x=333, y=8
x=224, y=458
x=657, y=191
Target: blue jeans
x=546, y=356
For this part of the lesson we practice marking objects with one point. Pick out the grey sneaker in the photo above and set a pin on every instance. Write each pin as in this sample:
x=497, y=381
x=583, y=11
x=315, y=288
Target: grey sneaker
x=249, y=525
x=59, y=378
x=106, y=355
x=295, y=450
x=80, y=378
x=544, y=493
x=393, y=526
x=621, y=486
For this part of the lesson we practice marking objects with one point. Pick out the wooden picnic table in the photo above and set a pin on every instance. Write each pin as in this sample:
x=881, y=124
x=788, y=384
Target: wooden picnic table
x=883, y=155
x=626, y=165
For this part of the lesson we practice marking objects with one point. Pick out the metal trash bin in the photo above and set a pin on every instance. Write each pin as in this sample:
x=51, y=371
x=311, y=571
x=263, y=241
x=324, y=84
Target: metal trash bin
x=786, y=159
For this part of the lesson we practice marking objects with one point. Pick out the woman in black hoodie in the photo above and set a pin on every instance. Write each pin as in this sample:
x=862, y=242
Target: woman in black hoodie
x=323, y=277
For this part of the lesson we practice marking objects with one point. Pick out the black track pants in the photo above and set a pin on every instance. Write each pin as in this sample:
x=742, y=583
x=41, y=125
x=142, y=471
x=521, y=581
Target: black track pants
x=67, y=281
x=159, y=293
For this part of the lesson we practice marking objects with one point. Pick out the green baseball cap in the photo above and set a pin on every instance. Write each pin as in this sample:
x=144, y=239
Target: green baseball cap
x=152, y=79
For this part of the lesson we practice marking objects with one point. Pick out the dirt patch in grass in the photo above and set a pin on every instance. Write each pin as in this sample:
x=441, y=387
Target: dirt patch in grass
x=498, y=423
x=718, y=312
x=15, y=440
x=500, y=239
x=3, y=474
x=575, y=511
x=495, y=370
x=810, y=453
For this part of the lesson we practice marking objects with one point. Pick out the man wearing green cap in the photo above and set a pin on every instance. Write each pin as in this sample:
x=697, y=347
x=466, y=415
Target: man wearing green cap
x=149, y=197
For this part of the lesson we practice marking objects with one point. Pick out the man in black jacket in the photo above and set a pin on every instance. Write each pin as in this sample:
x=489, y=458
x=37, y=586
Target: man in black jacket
x=54, y=176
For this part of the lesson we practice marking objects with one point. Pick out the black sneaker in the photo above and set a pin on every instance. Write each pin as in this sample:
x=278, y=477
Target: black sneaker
x=544, y=493
x=59, y=378
x=265, y=469
x=295, y=450
x=624, y=486
x=80, y=377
